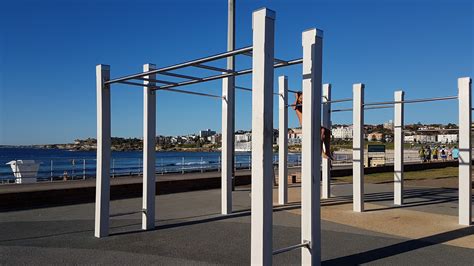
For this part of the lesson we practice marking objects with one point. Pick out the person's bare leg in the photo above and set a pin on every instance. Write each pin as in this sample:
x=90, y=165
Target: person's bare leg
x=299, y=114
x=325, y=142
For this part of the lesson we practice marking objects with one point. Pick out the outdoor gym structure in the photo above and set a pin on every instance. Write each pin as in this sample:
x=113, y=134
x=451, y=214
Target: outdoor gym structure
x=465, y=153
x=316, y=97
x=263, y=65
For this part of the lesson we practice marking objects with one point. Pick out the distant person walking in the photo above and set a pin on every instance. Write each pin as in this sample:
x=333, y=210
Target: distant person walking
x=421, y=154
x=444, y=154
x=435, y=153
x=455, y=153
x=428, y=154
x=450, y=153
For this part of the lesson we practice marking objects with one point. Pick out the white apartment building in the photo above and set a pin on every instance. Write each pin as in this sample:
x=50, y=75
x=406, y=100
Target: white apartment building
x=447, y=138
x=421, y=138
x=342, y=132
x=243, y=137
x=206, y=133
x=294, y=135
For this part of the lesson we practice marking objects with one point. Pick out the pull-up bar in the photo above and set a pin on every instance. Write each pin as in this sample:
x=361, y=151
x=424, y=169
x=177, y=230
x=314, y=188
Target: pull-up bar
x=225, y=75
x=365, y=108
x=179, y=75
x=415, y=100
x=248, y=89
x=174, y=90
x=305, y=244
x=182, y=65
x=338, y=101
x=218, y=69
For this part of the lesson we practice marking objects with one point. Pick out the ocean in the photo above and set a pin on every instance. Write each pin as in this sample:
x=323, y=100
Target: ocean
x=55, y=163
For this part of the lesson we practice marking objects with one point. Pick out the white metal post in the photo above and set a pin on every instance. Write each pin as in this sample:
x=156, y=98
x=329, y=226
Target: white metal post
x=231, y=66
x=465, y=152
x=263, y=24
x=283, y=140
x=398, y=139
x=102, y=194
x=311, y=147
x=149, y=154
x=227, y=144
x=358, y=147
x=326, y=180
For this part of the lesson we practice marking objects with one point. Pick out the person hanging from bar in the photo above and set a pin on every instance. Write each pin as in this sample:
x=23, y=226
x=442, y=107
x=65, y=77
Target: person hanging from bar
x=325, y=132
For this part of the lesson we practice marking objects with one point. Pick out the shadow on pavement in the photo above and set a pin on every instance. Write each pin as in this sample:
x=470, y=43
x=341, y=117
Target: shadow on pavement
x=399, y=248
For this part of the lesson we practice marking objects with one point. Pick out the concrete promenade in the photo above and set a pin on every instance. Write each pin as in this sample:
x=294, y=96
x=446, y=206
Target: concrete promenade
x=191, y=231
x=26, y=196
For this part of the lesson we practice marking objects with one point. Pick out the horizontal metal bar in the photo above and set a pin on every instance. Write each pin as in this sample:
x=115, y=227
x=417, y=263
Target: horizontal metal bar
x=158, y=81
x=415, y=100
x=341, y=110
x=193, y=93
x=182, y=65
x=238, y=73
x=126, y=213
x=431, y=99
x=293, y=91
x=248, y=89
x=379, y=107
x=274, y=59
x=213, y=68
x=243, y=88
x=338, y=101
x=305, y=244
x=137, y=84
x=179, y=75
x=167, y=89
x=293, y=105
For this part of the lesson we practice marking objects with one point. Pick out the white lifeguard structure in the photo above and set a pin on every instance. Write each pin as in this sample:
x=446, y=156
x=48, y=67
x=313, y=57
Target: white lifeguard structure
x=25, y=171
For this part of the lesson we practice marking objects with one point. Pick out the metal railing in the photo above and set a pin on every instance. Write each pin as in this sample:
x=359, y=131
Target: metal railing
x=64, y=169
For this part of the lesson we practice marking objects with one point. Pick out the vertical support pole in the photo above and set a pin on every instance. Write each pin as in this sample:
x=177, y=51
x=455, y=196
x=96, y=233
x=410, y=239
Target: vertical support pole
x=102, y=192
x=263, y=25
x=311, y=147
x=465, y=152
x=149, y=154
x=398, y=124
x=358, y=147
x=283, y=140
x=227, y=144
x=326, y=180
x=228, y=119
x=231, y=66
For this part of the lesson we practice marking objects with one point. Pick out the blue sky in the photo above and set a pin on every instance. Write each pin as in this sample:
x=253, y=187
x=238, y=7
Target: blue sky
x=49, y=49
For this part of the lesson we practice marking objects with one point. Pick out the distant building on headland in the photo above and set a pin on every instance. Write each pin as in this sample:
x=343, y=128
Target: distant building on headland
x=447, y=138
x=294, y=136
x=388, y=125
x=375, y=136
x=342, y=132
x=243, y=136
x=206, y=133
x=420, y=138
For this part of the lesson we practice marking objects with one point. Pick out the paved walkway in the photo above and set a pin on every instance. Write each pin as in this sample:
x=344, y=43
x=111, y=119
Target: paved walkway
x=191, y=231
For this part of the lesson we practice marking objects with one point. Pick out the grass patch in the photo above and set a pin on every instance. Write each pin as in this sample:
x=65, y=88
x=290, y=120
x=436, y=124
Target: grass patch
x=415, y=175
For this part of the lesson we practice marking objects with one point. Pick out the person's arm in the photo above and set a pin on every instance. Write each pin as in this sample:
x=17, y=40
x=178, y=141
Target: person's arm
x=296, y=101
